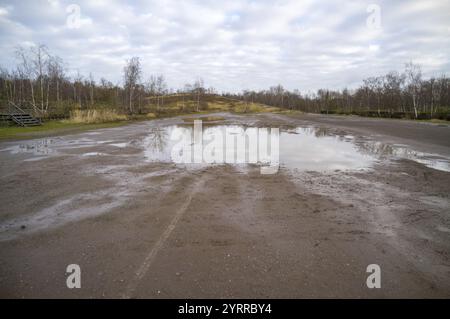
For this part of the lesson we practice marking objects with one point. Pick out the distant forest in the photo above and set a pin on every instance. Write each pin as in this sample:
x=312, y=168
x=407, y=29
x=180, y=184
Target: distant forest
x=40, y=79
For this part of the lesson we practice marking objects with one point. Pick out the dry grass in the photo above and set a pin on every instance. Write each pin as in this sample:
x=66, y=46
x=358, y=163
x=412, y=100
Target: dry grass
x=150, y=115
x=219, y=106
x=254, y=108
x=96, y=116
x=204, y=119
x=172, y=106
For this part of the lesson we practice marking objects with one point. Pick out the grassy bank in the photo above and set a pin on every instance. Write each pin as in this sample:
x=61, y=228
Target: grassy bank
x=82, y=120
x=50, y=128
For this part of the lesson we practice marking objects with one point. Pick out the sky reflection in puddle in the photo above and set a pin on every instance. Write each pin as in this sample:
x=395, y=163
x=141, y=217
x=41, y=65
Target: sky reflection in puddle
x=303, y=148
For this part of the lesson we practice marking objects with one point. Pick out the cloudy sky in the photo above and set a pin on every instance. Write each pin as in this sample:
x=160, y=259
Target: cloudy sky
x=235, y=45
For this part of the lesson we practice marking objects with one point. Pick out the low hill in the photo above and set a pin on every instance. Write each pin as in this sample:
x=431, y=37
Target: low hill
x=187, y=103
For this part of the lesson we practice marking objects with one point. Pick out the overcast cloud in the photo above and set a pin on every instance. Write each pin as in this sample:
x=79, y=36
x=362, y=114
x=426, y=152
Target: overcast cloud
x=235, y=45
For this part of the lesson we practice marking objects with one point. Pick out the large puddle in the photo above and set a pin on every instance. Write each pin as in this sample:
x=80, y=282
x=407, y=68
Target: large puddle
x=301, y=148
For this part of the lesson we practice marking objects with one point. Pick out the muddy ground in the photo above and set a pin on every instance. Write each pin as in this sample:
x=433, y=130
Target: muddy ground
x=141, y=229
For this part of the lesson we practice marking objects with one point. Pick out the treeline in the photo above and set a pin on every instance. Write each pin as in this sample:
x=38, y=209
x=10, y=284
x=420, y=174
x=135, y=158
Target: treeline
x=40, y=79
x=396, y=94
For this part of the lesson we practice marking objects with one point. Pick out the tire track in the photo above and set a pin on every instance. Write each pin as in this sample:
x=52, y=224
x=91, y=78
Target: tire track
x=150, y=257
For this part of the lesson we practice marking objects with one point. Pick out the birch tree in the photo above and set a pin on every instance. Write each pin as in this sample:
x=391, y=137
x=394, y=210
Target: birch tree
x=132, y=76
x=413, y=79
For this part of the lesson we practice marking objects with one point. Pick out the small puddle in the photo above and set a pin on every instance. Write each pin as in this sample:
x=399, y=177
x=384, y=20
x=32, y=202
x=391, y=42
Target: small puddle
x=43, y=148
x=120, y=145
x=36, y=147
x=93, y=154
x=402, y=151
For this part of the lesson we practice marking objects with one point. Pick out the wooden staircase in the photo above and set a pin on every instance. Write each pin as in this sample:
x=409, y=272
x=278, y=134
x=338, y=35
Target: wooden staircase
x=25, y=119
x=20, y=116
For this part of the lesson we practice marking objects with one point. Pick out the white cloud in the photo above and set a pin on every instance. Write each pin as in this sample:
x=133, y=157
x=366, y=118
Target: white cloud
x=3, y=11
x=235, y=44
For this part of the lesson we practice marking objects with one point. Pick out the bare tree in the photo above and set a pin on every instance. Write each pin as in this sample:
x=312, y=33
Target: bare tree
x=91, y=88
x=77, y=86
x=198, y=89
x=414, y=78
x=186, y=90
x=56, y=74
x=26, y=68
x=161, y=87
x=132, y=77
x=40, y=60
x=392, y=88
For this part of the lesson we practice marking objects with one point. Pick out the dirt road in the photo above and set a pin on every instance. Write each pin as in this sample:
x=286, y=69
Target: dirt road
x=144, y=228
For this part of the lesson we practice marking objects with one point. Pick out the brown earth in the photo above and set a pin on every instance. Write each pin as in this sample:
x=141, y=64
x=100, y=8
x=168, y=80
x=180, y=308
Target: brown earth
x=157, y=230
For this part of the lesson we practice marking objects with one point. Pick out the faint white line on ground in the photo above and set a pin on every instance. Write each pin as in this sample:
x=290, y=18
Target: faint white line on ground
x=160, y=242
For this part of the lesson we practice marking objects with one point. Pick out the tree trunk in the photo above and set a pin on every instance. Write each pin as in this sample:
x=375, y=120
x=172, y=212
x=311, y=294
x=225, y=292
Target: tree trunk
x=198, y=100
x=32, y=92
x=414, y=105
